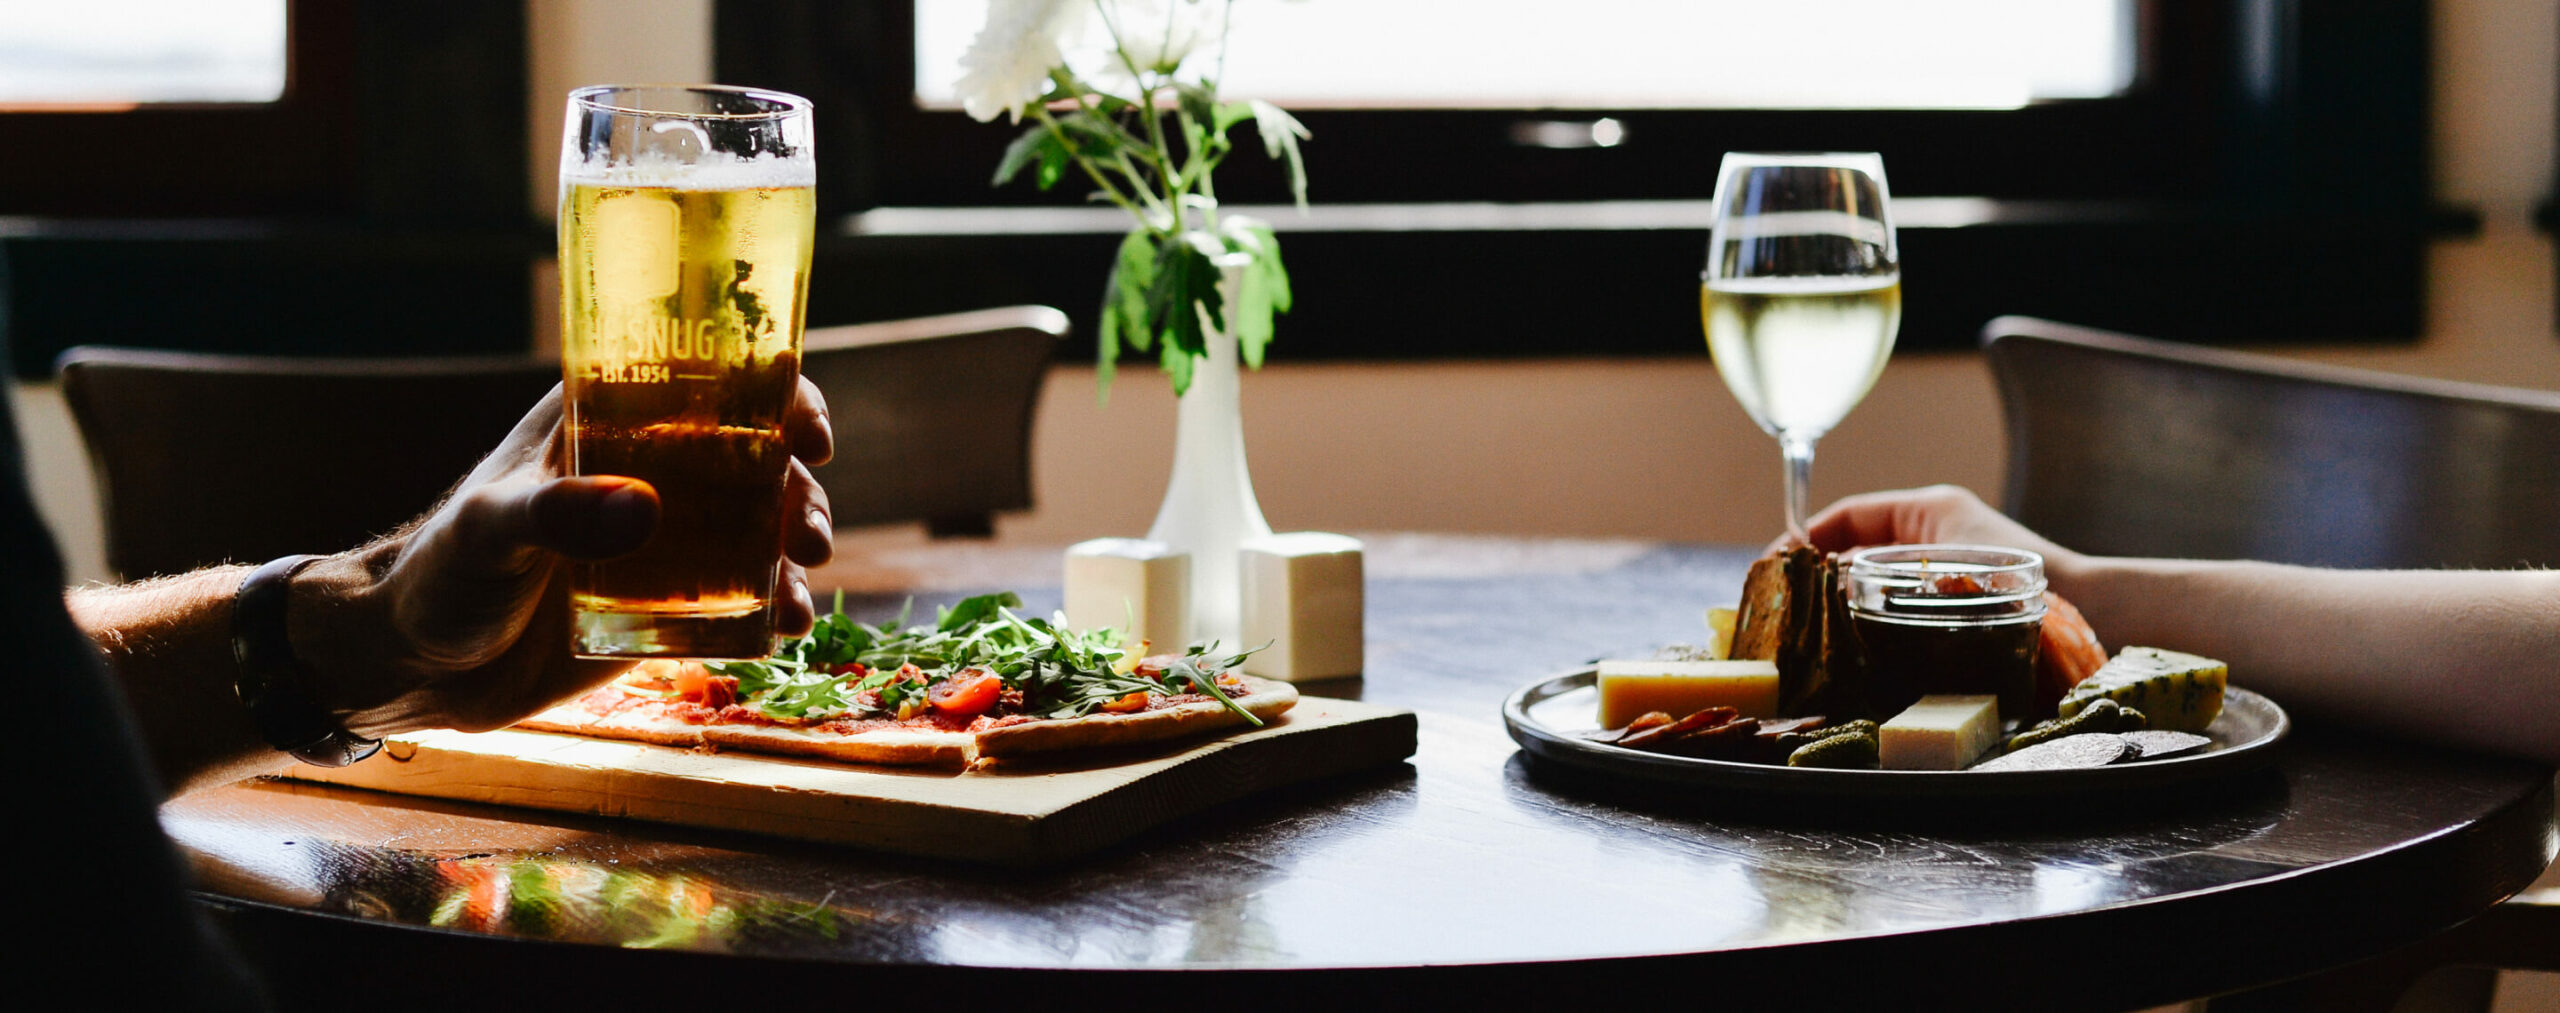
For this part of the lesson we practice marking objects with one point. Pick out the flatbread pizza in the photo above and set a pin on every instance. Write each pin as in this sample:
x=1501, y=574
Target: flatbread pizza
x=982, y=683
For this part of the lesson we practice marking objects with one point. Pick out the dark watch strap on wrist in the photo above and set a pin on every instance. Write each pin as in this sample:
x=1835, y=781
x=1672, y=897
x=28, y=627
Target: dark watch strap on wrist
x=273, y=684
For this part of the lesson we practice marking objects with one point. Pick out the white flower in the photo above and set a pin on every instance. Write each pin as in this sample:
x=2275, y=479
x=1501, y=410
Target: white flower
x=1007, y=65
x=1158, y=35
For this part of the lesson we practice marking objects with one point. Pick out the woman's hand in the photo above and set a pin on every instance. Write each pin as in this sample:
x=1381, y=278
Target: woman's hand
x=1938, y=513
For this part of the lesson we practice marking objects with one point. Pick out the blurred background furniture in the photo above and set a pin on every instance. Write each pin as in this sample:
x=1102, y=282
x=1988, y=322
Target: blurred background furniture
x=2131, y=446
x=203, y=458
x=933, y=415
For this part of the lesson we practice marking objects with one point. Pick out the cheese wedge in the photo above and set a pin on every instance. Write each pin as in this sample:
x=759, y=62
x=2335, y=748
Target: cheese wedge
x=2177, y=692
x=1942, y=732
x=1720, y=631
x=1628, y=689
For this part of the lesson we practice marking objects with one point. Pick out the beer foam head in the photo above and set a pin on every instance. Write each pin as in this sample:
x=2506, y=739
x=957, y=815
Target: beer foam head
x=709, y=171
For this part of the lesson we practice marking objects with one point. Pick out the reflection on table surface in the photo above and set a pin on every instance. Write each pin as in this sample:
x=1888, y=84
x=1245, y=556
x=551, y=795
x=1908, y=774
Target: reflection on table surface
x=1471, y=853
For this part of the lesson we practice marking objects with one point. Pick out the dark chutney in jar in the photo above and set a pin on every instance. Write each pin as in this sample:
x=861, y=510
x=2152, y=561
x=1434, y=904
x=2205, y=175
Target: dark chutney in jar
x=1934, y=619
x=1909, y=658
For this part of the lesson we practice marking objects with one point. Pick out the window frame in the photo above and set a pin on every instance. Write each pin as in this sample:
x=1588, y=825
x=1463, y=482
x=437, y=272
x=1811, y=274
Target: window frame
x=2261, y=136
x=293, y=155
x=377, y=208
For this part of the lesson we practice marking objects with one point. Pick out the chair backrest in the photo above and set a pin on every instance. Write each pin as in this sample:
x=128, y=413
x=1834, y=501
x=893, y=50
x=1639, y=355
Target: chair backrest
x=2130, y=446
x=205, y=458
x=933, y=415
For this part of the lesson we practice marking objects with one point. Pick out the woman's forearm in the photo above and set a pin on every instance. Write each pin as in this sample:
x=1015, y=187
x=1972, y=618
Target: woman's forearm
x=2451, y=656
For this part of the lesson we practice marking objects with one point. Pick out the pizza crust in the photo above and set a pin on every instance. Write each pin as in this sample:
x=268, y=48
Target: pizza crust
x=904, y=747
x=1263, y=698
x=636, y=724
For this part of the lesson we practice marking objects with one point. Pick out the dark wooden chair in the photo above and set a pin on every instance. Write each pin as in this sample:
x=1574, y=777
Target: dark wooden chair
x=207, y=458
x=933, y=415
x=2131, y=446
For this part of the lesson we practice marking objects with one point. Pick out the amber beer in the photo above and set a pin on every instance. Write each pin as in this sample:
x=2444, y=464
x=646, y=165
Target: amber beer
x=682, y=280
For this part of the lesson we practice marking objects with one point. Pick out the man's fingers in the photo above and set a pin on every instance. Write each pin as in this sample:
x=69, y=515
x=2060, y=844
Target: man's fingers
x=529, y=441
x=795, y=613
x=595, y=517
x=808, y=530
x=806, y=425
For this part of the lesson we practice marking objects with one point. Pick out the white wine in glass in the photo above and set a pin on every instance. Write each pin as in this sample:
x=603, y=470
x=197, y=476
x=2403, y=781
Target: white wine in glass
x=1802, y=295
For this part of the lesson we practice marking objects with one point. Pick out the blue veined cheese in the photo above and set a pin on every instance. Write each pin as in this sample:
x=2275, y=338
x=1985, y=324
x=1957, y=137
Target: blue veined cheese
x=1628, y=689
x=1943, y=731
x=2177, y=692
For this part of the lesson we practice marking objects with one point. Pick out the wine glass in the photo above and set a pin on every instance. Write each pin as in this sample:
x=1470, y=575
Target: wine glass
x=1801, y=296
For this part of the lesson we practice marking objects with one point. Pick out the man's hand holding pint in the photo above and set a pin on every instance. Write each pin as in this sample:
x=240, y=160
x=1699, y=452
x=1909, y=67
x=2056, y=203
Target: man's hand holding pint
x=458, y=620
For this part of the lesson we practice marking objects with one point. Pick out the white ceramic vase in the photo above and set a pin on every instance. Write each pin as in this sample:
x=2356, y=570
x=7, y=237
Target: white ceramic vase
x=1209, y=507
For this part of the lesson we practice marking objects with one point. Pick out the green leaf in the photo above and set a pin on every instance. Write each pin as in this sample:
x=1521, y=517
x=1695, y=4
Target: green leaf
x=1124, y=305
x=1267, y=263
x=1252, y=315
x=1178, y=365
x=1281, y=133
x=1262, y=287
x=1134, y=271
x=1053, y=164
x=1230, y=114
x=1201, y=275
x=1024, y=150
x=1094, y=135
x=1198, y=102
x=973, y=610
x=1168, y=312
x=1185, y=289
x=1106, y=351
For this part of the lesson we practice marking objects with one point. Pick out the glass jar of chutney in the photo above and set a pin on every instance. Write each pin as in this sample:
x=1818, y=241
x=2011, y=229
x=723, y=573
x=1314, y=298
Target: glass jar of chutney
x=1947, y=619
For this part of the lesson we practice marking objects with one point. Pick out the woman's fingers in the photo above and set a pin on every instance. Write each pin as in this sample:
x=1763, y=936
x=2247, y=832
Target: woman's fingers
x=1903, y=516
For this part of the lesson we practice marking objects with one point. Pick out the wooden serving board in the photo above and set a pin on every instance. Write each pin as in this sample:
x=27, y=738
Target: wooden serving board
x=1004, y=814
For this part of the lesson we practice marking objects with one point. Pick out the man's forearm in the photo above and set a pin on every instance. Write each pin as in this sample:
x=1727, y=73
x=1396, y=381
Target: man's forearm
x=168, y=641
x=2464, y=657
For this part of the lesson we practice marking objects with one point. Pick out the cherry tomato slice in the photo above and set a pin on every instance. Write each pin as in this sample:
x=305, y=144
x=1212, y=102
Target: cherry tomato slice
x=1127, y=704
x=966, y=695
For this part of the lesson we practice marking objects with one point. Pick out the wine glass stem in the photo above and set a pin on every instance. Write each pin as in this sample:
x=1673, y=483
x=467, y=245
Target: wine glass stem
x=1798, y=451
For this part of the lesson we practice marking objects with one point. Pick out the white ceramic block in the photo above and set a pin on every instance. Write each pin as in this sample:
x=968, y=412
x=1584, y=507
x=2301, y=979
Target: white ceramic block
x=1302, y=594
x=1140, y=587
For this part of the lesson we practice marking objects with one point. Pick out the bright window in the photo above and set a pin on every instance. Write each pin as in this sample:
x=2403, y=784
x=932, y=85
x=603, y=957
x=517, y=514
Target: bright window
x=94, y=53
x=1638, y=54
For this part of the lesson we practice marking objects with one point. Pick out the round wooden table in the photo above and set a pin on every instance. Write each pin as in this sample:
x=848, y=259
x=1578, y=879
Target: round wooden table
x=1469, y=872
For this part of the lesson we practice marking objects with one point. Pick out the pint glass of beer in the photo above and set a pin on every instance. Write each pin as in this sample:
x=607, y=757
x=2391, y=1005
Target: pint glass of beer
x=686, y=221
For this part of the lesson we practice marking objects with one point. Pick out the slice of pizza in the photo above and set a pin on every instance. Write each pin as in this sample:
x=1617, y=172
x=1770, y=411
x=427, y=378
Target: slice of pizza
x=981, y=684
